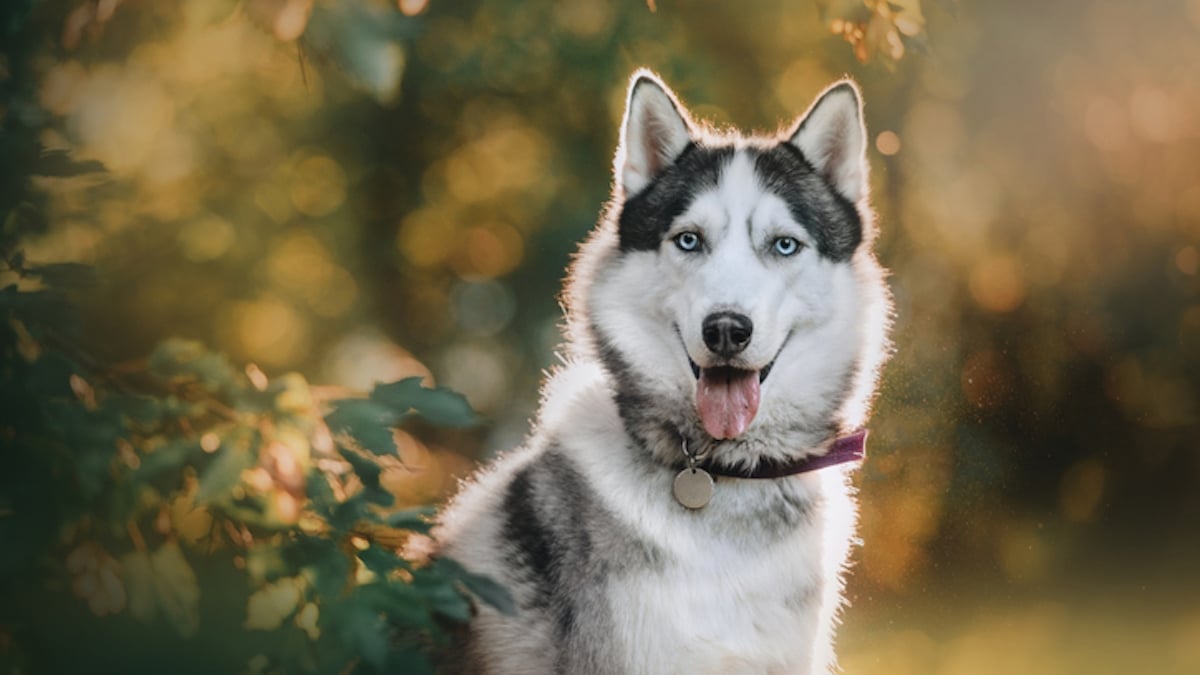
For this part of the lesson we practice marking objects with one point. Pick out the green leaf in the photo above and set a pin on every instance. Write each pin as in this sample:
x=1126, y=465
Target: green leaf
x=320, y=494
x=416, y=519
x=329, y=565
x=66, y=276
x=58, y=164
x=380, y=560
x=367, y=469
x=442, y=594
x=140, y=409
x=169, y=457
x=482, y=586
x=410, y=662
x=367, y=422
x=439, y=406
x=348, y=514
x=176, y=588
x=490, y=592
x=402, y=603
x=139, y=585
x=379, y=497
x=190, y=359
x=365, y=629
x=223, y=474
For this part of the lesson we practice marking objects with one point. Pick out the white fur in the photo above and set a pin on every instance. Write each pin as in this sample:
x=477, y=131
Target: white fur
x=834, y=139
x=726, y=598
x=653, y=133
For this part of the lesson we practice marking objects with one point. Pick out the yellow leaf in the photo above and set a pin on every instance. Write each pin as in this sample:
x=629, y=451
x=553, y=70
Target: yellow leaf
x=191, y=523
x=270, y=605
x=306, y=620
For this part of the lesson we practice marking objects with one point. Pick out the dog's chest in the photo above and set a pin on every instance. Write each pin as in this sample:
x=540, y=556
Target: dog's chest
x=722, y=607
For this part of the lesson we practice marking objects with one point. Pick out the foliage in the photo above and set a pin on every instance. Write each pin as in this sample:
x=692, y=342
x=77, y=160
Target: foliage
x=186, y=499
x=137, y=471
x=876, y=27
x=308, y=185
x=146, y=473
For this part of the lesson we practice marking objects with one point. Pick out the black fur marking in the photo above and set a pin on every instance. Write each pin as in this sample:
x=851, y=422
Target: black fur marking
x=648, y=423
x=831, y=219
x=646, y=216
x=527, y=534
x=828, y=216
x=557, y=532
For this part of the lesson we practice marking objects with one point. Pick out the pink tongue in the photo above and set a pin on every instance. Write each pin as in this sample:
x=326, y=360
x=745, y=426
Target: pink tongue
x=727, y=400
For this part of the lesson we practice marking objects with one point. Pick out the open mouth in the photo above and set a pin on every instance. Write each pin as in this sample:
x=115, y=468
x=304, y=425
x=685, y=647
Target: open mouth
x=727, y=398
x=762, y=374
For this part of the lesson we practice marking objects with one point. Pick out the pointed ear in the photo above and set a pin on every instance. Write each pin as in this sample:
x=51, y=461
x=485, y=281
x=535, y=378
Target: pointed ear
x=654, y=133
x=832, y=137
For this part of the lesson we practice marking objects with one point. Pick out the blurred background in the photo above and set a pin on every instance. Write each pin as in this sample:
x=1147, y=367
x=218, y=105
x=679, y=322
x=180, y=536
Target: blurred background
x=360, y=191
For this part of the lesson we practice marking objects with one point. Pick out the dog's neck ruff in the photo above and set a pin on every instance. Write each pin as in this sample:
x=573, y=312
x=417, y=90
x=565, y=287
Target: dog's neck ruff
x=851, y=448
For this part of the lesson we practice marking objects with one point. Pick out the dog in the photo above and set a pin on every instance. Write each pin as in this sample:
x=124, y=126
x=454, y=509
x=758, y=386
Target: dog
x=683, y=504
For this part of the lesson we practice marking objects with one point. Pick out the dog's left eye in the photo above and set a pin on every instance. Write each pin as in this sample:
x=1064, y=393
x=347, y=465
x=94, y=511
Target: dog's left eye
x=786, y=246
x=687, y=241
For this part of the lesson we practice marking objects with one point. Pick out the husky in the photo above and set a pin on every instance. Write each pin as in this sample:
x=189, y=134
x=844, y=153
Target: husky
x=683, y=503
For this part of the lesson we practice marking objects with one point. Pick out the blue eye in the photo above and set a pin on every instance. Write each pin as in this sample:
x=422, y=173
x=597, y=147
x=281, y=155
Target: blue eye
x=787, y=246
x=687, y=241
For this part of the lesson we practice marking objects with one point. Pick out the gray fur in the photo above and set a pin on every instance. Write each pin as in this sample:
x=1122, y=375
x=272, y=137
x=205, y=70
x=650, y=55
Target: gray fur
x=612, y=576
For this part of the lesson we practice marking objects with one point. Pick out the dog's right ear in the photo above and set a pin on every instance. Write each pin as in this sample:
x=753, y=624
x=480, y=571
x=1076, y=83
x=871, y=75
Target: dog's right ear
x=654, y=133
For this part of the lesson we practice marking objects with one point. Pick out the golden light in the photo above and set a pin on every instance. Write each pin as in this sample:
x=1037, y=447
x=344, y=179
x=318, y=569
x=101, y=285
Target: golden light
x=997, y=284
x=798, y=82
x=206, y=238
x=489, y=251
x=584, y=18
x=269, y=330
x=318, y=185
x=210, y=442
x=424, y=237
x=412, y=7
x=118, y=115
x=362, y=358
x=287, y=19
x=287, y=507
x=887, y=143
x=258, y=379
x=337, y=297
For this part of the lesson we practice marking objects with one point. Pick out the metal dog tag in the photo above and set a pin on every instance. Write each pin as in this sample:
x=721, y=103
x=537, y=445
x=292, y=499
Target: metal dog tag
x=693, y=488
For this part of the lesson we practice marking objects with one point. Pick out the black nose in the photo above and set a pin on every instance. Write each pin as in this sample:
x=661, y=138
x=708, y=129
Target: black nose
x=727, y=333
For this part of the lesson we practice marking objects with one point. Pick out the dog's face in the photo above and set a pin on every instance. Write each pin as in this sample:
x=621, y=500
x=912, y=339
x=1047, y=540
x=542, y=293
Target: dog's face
x=730, y=306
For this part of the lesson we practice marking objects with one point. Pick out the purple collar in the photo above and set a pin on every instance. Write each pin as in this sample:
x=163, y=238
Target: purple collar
x=851, y=448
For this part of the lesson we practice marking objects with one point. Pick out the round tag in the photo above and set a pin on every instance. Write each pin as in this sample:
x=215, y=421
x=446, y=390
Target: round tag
x=693, y=488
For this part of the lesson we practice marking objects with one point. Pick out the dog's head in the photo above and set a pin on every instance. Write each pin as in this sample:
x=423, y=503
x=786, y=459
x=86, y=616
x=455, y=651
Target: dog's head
x=728, y=290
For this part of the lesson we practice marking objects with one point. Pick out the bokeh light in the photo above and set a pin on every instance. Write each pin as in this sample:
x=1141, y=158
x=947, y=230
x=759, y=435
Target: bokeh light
x=367, y=191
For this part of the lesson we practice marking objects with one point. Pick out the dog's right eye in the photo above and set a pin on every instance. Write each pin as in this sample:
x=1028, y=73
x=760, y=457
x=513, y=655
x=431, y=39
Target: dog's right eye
x=687, y=241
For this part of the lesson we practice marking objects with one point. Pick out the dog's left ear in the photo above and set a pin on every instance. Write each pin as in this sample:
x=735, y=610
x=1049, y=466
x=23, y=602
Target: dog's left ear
x=654, y=133
x=833, y=138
